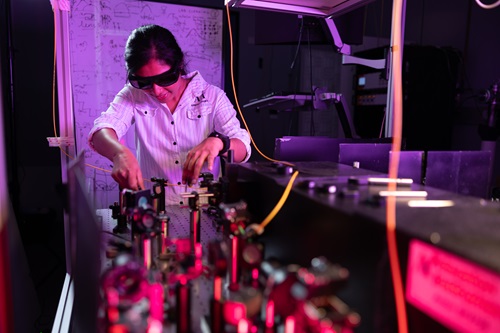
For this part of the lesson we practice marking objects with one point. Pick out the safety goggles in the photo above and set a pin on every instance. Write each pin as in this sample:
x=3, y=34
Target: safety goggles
x=163, y=80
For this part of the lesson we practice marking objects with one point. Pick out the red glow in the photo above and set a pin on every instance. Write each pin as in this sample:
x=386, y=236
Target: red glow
x=198, y=250
x=113, y=315
x=233, y=312
x=290, y=324
x=243, y=325
x=255, y=273
x=183, y=245
x=234, y=260
x=307, y=276
x=217, y=288
x=147, y=253
x=164, y=234
x=198, y=265
x=270, y=314
x=156, y=307
x=155, y=326
x=6, y=312
x=458, y=293
x=112, y=296
x=120, y=328
x=326, y=327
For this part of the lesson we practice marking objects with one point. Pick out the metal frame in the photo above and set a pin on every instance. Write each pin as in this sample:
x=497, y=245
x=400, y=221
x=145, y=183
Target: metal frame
x=66, y=134
x=62, y=319
x=328, y=9
x=318, y=8
x=65, y=97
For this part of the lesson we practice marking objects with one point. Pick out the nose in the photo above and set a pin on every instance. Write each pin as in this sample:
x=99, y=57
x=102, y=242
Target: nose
x=157, y=90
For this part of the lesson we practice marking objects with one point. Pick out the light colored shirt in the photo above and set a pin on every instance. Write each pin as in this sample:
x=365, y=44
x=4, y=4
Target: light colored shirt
x=163, y=139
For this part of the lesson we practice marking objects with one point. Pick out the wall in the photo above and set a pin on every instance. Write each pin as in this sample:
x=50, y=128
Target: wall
x=474, y=32
x=34, y=176
x=458, y=24
x=261, y=69
x=38, y=165
x=97, y=37
x=34, y=168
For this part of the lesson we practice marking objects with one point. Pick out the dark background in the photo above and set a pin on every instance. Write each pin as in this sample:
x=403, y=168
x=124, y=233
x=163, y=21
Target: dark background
x=261, y=66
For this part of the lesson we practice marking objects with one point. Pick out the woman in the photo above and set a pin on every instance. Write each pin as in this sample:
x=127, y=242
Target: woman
x=182, y=123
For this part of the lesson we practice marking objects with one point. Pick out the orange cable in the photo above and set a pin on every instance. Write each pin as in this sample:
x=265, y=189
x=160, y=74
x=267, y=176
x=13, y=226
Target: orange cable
x=236, y=97
x=54, y=98
x=288, y=188
x=396, y=49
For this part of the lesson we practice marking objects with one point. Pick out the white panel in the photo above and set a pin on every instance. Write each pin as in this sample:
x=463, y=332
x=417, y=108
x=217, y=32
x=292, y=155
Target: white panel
x=98, y=33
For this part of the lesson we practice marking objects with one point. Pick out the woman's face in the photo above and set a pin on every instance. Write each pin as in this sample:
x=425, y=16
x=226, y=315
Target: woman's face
x=163, y=93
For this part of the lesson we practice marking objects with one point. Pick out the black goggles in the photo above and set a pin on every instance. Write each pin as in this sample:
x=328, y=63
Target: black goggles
x=163, y=80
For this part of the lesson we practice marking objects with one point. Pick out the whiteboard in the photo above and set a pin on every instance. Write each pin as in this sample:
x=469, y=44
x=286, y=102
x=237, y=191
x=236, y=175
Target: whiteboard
x=98, y=31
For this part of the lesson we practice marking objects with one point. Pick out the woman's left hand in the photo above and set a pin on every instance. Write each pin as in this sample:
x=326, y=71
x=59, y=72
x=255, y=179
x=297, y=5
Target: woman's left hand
x=206, y=151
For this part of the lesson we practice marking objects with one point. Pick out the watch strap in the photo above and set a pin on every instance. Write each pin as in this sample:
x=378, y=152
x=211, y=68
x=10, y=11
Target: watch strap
x=225, y=140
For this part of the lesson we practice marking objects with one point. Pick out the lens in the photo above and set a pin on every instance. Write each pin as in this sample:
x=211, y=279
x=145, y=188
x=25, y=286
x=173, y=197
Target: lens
x=141, y=84
x=163, y=80
x=167, y=79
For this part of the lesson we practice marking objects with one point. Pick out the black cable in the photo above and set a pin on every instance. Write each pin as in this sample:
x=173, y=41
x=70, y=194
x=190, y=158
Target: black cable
x=294, y=84
x=466, y=44
x=422, y=22
x=292, y=65
x=311, y=128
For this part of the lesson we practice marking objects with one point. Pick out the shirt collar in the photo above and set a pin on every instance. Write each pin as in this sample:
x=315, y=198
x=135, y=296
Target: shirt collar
x=197, y=85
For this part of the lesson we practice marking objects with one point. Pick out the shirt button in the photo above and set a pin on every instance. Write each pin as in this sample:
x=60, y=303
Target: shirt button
x=145, y=112
x=199, y=116
x=175, y=143
x=176, y=162
x=181, y=203
x=172, y=122
x=178, y=183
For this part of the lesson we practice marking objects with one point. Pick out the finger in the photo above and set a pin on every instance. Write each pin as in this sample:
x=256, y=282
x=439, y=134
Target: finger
x=210, y=161
x=119, y=181
x=199, y=165
x=121, y=177
x=188, y=173
x=189, y=169
x=133, y=183
x=187, y=176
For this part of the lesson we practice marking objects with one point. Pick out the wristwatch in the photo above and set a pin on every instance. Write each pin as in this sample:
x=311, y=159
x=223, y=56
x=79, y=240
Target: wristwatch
x=225, y=140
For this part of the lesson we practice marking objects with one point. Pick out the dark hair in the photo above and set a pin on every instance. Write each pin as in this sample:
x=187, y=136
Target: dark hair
x=152, y=42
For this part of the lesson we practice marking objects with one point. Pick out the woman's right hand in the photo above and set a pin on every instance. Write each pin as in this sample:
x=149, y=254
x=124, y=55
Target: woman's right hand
x=126, y=171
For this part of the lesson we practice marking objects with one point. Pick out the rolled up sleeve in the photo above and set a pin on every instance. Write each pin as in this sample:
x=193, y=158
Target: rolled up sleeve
x=119, y=116
x=228, y=124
